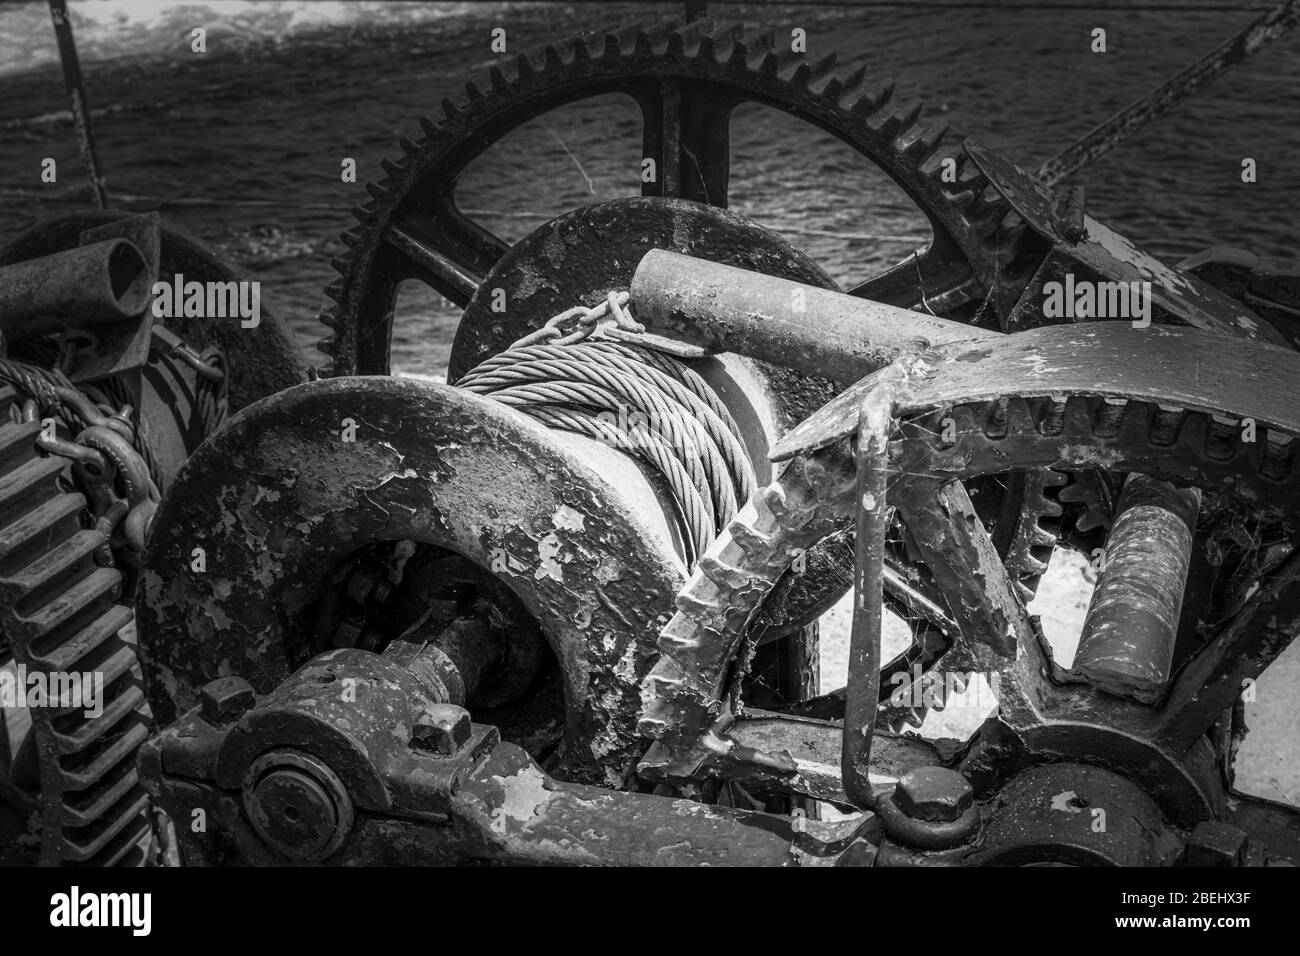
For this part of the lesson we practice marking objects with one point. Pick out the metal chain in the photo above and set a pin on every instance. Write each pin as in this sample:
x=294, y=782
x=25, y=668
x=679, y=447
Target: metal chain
x=104, y=454
x=585, y=321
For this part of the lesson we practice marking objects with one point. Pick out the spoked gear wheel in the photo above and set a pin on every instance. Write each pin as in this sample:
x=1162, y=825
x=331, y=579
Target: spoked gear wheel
x=686, y=81
x=59, y=615
x=1013, y=416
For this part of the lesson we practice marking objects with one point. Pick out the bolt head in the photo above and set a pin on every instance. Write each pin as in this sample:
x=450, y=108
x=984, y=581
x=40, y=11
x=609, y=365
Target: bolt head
x=226, y=699
x=1217, y=844
x=936, y=794
x=441, y=729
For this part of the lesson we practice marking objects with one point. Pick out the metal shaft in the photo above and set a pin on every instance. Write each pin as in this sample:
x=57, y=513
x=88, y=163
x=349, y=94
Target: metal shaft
x=1127, y=644
x=811, y=330
x=101, y=282
x=77, y=98
x=1260, y=33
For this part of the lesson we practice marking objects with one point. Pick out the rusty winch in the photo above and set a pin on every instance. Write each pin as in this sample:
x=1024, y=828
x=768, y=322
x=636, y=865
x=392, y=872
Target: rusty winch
x=564, y=608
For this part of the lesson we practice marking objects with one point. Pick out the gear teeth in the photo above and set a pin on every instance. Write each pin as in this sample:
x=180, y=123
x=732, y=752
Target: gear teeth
x=801, y=76
x=659, y=36
x=760, y=56
x=900, y=118
x=351, y=239
x=59, y=611
x=723, y=53
x=341, y=265
x=335, y=289
x=365, y=214
x=379, y=192
x=850, y=85
x=823, y=80
x=870, y=101
x=524, y=69
x=922, y=145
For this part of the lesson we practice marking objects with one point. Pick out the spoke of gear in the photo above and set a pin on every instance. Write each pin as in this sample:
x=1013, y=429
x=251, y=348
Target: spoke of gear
x=686, y=80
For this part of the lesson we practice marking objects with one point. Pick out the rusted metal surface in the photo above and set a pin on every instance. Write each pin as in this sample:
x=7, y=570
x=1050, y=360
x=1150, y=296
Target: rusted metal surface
x=872, y=516
x=583, y=255
x=1104, y=359
x=686, y=82
x=1065, y=398
x=60, y=614
x=931, y=808
x=784, y=754
x=309, y=774
x=1243, y=647
x=429, y=464
x=815, y=331
x=1127, y=643
x=1262, y=31
x=1269, y=286
x=313, y=774
x=1102, y=255
x=1077, y=815
x=261, y=360
x=102, y=282
x=684, y=691
x=119, y=347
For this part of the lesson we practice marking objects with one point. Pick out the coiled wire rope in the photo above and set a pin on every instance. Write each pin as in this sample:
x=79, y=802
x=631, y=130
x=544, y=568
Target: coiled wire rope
x=570, y=377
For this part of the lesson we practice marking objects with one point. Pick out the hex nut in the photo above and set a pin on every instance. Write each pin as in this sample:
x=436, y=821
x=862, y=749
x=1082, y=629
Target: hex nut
x=935, y=794
x=1212, y=843
x=226, y=699
x=441, y=729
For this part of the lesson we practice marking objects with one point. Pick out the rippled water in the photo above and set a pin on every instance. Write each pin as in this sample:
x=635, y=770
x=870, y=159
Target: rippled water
x=289, y=88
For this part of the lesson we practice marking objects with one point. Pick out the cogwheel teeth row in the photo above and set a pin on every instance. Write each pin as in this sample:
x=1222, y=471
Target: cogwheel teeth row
x=805, y=503
x=866, y=116
x=58, y=610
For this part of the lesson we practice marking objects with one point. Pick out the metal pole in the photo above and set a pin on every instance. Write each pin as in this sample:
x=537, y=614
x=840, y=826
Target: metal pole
x=862, y=695
x=77, y=96
x=810, y=330
x=1271, y=26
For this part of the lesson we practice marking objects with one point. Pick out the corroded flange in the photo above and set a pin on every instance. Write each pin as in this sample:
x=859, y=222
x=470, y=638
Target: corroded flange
x=278, y=498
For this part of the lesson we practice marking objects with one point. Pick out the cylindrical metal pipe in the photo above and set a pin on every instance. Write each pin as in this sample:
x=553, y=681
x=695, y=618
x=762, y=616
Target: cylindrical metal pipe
x=101, y=282
x=810, y=330
x=1127, y=644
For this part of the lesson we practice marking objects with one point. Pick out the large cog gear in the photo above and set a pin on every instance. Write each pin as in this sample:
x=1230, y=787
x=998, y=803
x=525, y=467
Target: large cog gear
x=687, y=80
x=1174, y=432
